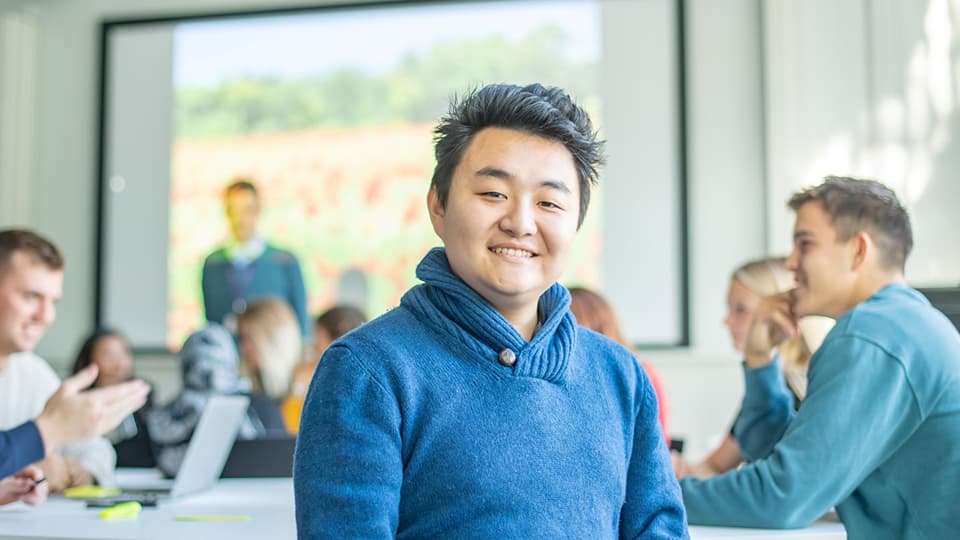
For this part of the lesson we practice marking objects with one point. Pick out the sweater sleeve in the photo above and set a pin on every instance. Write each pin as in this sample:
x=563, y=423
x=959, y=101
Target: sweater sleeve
x=766, y=412
x=348, y=468
x=653, y=508
x=19, y=447
x=859, y=409
x=96, y=456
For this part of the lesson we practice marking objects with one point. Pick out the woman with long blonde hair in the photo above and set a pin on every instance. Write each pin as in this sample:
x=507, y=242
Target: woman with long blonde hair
x=270, y=345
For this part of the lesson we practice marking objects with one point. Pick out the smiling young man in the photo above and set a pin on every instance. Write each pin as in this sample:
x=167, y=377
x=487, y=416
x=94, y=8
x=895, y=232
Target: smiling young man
x=31, y=281
x=478, y=408
x=878, y=435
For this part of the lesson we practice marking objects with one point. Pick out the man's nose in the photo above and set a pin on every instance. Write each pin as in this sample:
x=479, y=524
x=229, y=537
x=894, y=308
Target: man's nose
x=46, y=312
x=793, y=260
x=520, y=219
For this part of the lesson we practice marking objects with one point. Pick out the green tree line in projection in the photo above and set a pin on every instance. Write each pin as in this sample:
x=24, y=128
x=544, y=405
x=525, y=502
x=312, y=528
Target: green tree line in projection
x=418, y=90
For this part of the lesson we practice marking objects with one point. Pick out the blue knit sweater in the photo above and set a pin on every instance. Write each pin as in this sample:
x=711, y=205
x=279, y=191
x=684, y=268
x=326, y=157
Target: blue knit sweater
x=413, y=429
x=878, y=435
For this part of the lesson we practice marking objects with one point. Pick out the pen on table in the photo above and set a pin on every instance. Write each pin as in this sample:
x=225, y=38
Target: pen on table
x=37, y=482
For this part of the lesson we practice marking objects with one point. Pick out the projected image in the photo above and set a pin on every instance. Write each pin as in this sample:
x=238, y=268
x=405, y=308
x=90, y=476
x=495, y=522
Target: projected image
x=331, y=113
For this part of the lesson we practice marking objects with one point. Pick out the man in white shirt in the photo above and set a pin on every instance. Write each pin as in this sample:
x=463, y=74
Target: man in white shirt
x=31, y=281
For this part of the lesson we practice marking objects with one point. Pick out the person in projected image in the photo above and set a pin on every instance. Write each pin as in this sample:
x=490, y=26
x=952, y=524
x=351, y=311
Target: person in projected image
x=64, y=439
x=478, y=408
x=749, y=284
x=108, y=349
x=878, y=434
x=248, y=267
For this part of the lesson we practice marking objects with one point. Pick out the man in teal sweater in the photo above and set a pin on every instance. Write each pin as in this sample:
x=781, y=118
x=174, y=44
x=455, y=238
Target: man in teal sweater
x=878, y=435
x=248, y=268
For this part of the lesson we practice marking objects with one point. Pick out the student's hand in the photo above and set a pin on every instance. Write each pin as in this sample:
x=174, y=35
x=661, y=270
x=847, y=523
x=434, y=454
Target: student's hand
x=680, y=466
x=21, y=487
x=71, y=415
x=57, y=471
x=773, y=323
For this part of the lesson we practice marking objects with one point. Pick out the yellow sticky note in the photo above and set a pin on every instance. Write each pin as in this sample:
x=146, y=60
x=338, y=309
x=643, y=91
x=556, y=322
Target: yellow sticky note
x=90, y=492
x=122, y=510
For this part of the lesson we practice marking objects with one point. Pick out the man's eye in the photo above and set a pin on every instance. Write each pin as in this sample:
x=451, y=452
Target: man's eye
x=551, y=204
x=494, y=194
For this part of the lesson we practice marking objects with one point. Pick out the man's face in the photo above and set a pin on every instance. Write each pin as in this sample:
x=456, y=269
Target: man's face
x=29, y=292
x=243, y=209
x=825, y=270
x=510, y=217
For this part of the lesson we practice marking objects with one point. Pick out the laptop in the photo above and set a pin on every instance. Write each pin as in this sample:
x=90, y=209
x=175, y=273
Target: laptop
x=206, y=454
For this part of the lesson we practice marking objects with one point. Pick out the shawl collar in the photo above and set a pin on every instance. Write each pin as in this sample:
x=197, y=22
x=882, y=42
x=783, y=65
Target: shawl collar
x=447, y=303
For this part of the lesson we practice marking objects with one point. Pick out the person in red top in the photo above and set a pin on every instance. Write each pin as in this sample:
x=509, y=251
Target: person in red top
x=594, y=312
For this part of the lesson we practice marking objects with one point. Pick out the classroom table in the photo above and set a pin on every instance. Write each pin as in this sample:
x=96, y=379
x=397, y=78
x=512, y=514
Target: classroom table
x=267, y=505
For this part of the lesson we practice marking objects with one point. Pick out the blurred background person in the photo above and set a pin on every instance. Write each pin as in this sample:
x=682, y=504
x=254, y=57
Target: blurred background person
x=748, y=285
x=108, y=349
x=594, y=312
x=31, y=283
x=248, y=267
x=329, y=326
x=270, y=346
x=210, y=366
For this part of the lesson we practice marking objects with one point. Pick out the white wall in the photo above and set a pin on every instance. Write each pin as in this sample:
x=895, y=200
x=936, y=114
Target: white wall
x=726, y=188
x=869, y=88
x=18, y=51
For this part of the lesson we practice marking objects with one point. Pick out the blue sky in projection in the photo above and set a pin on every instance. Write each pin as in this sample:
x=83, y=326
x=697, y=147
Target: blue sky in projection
x=373, y=40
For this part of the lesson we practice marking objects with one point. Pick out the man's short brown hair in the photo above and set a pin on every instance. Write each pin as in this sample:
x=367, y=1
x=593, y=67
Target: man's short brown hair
x=37, y=247
x=241, y=184
x=855, y=205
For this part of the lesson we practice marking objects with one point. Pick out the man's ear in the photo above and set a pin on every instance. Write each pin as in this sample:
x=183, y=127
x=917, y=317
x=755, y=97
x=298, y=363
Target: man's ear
x=864, y=249
x=436, y=211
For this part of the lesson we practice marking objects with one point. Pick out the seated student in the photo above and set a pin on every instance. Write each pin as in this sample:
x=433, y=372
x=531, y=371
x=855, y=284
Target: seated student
x=270, y=346
x=109, y=351
x=594, y=312
x=31, y=280
x=210, y=367
x=328, y=327
x=878, y=435
x=749, y=284
x=478, y=408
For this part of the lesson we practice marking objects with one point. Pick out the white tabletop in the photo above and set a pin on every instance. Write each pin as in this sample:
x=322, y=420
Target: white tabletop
x=268, y=503
x=821, y=530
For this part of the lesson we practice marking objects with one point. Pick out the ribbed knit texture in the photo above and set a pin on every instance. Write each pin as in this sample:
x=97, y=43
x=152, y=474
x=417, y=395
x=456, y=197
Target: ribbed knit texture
x=412, y=428
x=444, y=300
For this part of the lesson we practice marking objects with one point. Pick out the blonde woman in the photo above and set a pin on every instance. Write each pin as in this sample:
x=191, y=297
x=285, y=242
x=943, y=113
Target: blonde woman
x=270, y=345
x=748, y=285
